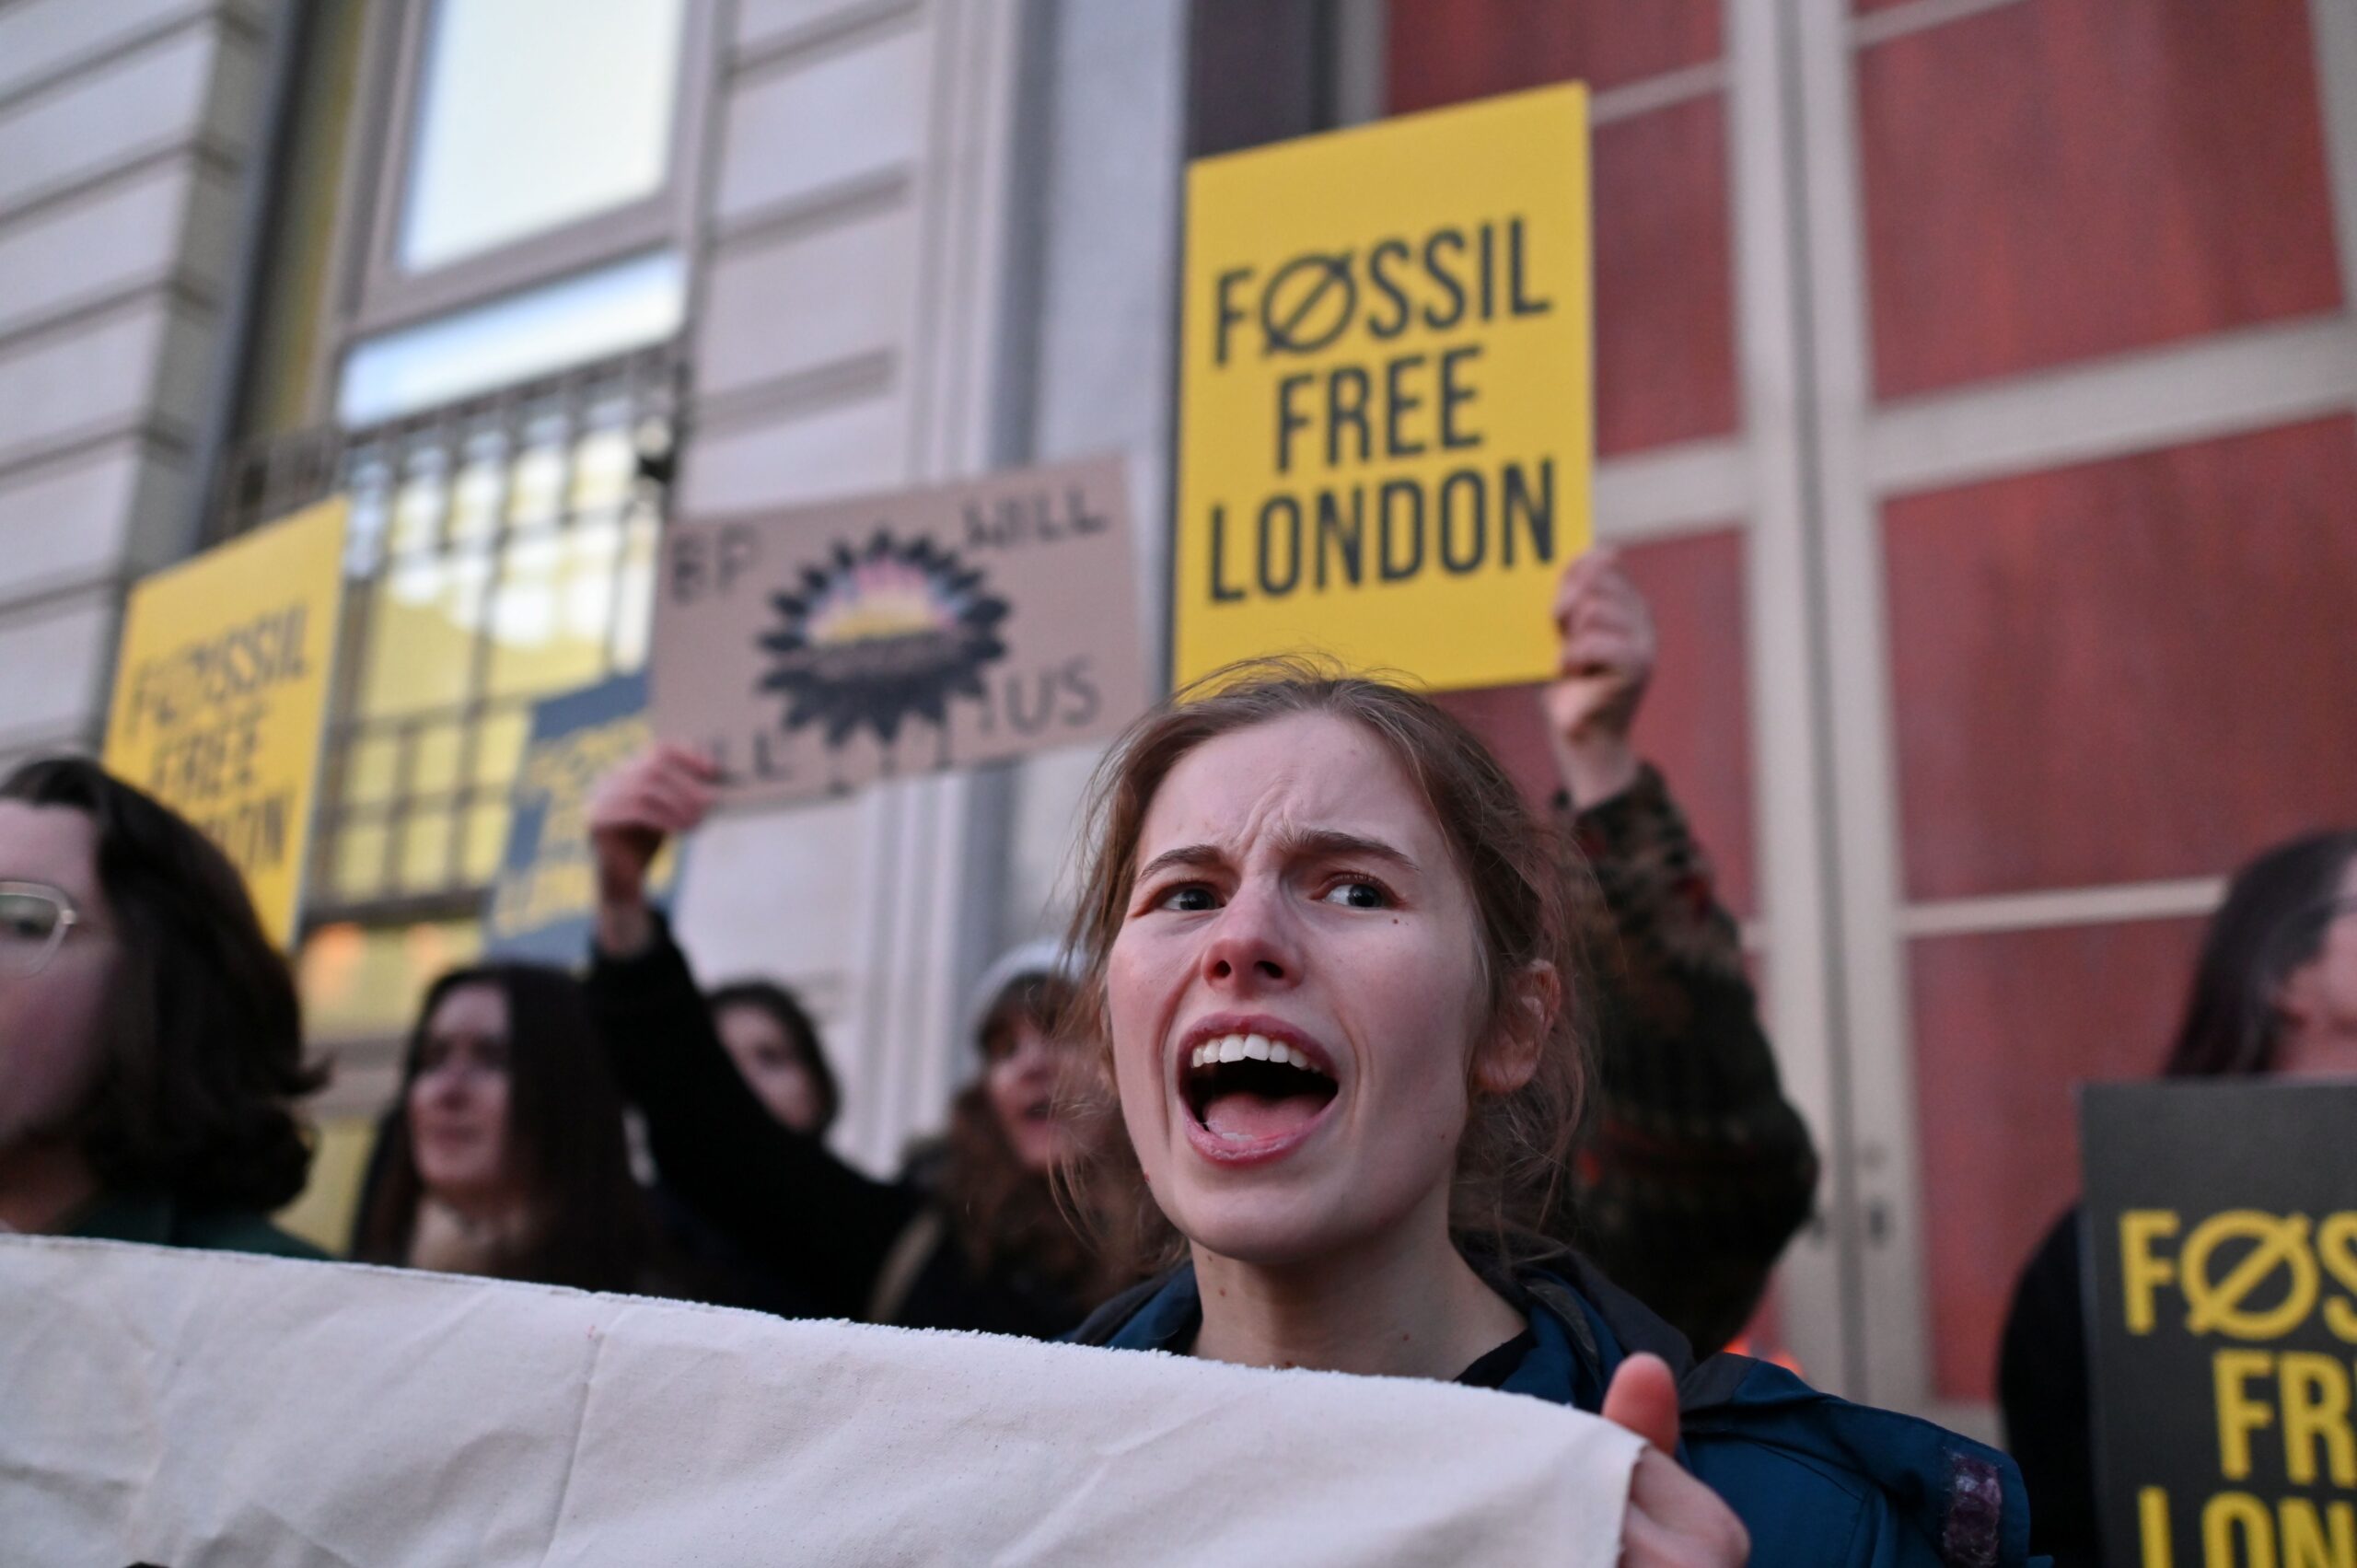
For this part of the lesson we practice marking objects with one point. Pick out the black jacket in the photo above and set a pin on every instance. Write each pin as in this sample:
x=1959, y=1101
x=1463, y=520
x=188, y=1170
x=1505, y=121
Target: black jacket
x=824, y=1233
x=2042, y=1386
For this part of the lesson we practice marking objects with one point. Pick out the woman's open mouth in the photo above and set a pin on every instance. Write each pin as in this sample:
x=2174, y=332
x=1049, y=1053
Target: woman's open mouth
x=1252, y=1095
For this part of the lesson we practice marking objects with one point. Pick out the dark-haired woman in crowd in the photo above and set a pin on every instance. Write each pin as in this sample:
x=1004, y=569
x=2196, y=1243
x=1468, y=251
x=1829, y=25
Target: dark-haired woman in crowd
x=151, y=1042
x=505, y=1155
x=974, y=1240
x=1335, y=969
x=775, y=1046
x=2274, y=992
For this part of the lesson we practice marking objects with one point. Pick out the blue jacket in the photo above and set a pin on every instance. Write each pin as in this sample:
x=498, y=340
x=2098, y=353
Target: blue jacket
x=1814, y=1478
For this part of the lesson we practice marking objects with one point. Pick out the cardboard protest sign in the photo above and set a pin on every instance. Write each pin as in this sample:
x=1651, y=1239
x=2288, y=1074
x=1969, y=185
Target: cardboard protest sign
x=541, y=906
x=1386, y=427
x=173, y=1406
x=2221, y=1237
x=221, y=693
x=817, y=649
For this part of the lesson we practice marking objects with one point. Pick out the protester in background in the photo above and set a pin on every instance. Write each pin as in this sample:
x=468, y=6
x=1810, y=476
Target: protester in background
x=981, y=1245
x=1335, y=968
x=1698, y=1170
x=2274, y=992
x=775, y=1046
x=505, y=1155
x=151, y=1042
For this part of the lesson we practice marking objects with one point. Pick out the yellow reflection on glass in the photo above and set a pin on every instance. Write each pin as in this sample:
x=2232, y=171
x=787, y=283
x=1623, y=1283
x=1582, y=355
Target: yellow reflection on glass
x=604, y=466
x=426, y=851
x=364, y=983
x=486, y=841
x=553, y=610
x=499, y=746
x=417, y=507
x=434, y=762
x=360, y=860
x=474, y=500
x=422, y=616
x=371, y=768
x=536, y=486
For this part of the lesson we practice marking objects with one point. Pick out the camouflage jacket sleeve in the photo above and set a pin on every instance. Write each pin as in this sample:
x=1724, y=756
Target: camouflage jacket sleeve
x=1695, y=1171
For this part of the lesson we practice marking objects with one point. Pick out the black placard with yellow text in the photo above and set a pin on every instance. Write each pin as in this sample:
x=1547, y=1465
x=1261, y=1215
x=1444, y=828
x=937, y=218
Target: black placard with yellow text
x=2221, y=1232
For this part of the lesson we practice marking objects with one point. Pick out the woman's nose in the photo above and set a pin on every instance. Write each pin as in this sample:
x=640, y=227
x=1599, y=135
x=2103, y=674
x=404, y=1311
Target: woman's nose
x=1251, y=943
x=447, y=1082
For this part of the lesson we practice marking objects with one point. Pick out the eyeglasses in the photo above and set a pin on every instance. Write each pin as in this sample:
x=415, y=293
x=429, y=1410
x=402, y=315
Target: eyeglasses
x=34, y=920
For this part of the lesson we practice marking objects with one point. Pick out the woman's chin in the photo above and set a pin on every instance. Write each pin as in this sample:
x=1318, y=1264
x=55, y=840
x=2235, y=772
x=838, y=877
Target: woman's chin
x=1265, y=1229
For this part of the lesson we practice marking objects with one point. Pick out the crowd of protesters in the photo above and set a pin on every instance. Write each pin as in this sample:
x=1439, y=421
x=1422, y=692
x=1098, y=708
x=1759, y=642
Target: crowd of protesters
x=1294, y=884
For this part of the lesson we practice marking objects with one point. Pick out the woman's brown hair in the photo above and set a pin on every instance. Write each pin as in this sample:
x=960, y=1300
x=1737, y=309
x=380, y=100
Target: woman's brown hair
x=204, y=1033
x=1512, y=1160
x=1005, y=1217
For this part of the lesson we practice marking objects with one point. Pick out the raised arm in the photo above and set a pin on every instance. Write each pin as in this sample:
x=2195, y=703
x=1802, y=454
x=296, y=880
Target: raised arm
x=1698, y=1170
x=779, y=1195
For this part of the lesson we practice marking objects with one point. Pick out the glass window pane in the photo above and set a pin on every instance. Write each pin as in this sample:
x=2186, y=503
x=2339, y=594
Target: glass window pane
x=363, y=982
x=554, y=610
x=474, y=500
x=360, y=860
x=536, y=489
x=434, y=762
x=363, y=537
x=422, y=616
x=635, y=599
x=418, y=506
x=371, y=770
x=605, y=467
x=426, y=851
x=534, y=114
x=486, y=841
x=592, y=314
x=499, y=746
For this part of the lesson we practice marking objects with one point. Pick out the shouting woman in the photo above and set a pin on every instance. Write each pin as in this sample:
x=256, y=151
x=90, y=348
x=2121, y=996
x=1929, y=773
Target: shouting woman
x=1342, y=1006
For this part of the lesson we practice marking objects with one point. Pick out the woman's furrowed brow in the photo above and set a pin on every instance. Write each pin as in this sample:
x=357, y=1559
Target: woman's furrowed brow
x=1184, y=856
x=1308, y=843
x=1332, y=843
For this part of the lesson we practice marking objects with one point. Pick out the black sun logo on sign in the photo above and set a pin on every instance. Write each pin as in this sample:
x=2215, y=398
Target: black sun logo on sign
x=876, y=637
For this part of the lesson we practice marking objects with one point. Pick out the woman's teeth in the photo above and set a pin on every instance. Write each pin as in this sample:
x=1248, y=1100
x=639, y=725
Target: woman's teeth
x=1248, y=1048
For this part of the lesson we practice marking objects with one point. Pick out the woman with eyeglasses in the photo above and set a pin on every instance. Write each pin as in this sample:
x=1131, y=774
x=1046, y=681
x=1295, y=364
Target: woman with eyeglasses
x=2274, y=993
x=151, y=1042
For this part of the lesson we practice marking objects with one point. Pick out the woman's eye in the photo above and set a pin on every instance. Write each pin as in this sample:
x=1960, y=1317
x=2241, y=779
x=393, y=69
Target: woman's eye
x=1358, y=895
x=1189, y=898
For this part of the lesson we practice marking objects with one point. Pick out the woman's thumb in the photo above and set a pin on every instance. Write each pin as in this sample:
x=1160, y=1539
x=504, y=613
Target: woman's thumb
x=1644, y=1398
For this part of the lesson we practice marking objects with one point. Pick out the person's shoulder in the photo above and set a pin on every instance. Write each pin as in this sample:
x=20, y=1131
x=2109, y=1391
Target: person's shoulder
x=241, y=1230
x=1816, y=1478
x=1155, y=1314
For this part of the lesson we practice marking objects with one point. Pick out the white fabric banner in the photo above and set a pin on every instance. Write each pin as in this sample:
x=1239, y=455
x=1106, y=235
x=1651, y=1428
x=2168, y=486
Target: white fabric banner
x=184, y=1408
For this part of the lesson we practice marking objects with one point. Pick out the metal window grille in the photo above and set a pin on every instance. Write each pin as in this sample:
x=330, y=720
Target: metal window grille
x=500, y=548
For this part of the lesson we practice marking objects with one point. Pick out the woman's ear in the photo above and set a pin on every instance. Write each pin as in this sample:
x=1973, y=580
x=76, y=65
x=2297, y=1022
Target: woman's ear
x=1509, y=1058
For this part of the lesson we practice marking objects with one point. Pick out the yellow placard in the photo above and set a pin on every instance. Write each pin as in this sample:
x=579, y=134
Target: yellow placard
x=221, y=692
x=1386, y=421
